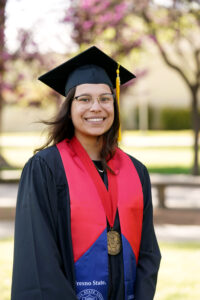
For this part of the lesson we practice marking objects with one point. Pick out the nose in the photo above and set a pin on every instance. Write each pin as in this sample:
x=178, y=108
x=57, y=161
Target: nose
x=95, y=106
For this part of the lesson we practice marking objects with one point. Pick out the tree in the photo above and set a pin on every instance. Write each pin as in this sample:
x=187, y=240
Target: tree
x=2, y=49
x=103, y=23
x=3, y=58
x=180, y=27
x=123, y=25
x=27, y=52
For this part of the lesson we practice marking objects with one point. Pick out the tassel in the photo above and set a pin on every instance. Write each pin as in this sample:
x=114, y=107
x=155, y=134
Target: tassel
x=118, y=96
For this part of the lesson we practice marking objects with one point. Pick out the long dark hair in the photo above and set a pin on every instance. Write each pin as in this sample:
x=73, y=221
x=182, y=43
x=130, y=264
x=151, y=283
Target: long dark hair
x=61, y=127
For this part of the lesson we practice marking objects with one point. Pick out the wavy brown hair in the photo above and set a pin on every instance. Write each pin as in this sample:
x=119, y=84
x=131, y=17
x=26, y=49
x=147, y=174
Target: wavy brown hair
x=61, y=127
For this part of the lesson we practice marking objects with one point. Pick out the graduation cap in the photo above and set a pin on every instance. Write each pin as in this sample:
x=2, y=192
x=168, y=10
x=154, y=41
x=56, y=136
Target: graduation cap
x=90, y=66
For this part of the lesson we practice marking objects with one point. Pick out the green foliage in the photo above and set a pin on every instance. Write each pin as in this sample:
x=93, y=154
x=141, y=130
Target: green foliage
x=175, y=119
x=167, y=118
x=169, y=170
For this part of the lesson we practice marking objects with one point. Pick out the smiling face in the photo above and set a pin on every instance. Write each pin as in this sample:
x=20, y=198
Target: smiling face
x=93, y=121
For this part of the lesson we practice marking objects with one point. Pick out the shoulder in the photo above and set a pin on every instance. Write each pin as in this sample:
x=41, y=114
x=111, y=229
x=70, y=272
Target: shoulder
x=42, y=158
x=48, y=154
x=140, y=168
x=144, y=179
x=47, y=161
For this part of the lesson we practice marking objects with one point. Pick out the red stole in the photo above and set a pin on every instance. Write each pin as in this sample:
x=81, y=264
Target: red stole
x=88, y=217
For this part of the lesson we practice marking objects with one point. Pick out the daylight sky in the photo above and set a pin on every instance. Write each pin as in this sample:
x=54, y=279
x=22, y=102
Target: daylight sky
x=43, y=18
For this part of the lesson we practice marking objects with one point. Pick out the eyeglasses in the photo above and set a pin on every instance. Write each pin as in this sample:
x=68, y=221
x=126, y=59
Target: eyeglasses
x=87, y=100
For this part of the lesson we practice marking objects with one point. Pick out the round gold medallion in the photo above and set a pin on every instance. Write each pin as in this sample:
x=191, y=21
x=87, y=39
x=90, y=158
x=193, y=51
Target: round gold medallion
x=114, y=242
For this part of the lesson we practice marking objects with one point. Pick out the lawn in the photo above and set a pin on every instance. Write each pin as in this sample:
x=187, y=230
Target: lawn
x=179, y=272
x=178, y=275
x=6, y=259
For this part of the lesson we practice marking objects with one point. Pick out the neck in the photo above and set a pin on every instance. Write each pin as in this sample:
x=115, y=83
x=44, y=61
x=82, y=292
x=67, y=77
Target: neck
x=92, y=145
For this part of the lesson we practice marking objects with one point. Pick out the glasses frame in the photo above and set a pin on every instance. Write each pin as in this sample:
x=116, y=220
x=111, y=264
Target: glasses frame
x=98, y=99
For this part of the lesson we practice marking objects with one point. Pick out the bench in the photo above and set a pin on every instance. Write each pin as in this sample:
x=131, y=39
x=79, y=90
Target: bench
x=160, y=182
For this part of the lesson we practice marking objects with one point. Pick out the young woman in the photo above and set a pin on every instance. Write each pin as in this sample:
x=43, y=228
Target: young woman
x=84, y=224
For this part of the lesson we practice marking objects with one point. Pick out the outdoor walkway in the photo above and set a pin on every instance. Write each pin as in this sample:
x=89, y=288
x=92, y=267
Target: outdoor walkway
x=165, y=232
x=185, y=198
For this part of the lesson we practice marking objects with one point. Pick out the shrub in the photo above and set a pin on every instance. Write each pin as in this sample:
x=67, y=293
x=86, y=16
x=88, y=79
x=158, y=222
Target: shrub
x=175, y=118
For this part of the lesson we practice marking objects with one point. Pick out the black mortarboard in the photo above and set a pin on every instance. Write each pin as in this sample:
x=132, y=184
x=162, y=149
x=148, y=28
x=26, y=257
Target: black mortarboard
x=90, y=66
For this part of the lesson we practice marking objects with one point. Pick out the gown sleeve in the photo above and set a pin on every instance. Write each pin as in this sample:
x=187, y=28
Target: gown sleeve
x=149, y=256
x=37, y=268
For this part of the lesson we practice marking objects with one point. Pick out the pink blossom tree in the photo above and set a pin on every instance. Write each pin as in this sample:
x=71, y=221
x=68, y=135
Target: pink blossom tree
x=104, y=23
x=123, y=25
x=3, y=53
x=27, y=52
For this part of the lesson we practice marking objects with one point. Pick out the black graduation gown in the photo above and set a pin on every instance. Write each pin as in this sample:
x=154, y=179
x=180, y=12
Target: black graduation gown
x=43, y=266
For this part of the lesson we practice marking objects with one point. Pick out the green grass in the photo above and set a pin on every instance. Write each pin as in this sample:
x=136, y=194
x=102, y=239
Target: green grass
x=178, y=275
x=169, y=170
x=179, y=272
x=6, y=260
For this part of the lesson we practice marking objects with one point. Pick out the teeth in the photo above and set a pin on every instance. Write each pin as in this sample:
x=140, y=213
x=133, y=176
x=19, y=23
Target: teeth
x=95, y=120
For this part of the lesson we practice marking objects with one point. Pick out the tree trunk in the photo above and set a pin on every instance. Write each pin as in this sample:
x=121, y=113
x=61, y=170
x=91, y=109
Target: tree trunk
x=196, y=127
x=3, y=163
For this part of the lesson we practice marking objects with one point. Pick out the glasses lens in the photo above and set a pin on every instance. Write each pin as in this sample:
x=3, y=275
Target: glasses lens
x=106, y=99
x=84, y=99
x=87, y=100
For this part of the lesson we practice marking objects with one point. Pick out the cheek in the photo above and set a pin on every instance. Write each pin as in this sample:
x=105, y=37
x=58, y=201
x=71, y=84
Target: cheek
x=75, y=114
x=112, y=114
x=72, y=114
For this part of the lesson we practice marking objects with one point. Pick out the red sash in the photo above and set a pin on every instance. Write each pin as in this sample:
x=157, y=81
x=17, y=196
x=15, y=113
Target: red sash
x=89, y=197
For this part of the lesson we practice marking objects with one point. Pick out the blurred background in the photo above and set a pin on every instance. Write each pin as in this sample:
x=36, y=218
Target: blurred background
x=159, y=41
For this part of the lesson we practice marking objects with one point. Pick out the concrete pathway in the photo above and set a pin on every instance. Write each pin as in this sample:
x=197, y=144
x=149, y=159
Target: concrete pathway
x=6, y=229
x=164, y=233
x=177, y=233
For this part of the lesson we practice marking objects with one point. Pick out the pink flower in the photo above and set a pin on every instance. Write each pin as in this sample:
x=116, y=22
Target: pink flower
x=6, y=86
x=121, y=8
x=5, y=56
x=106, y=18
x=87, y=4
x=153, y=38
x=20, y=76
x=100, y=8
x=87, y=25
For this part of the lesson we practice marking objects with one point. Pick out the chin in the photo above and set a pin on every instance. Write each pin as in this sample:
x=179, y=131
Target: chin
x=96, y=134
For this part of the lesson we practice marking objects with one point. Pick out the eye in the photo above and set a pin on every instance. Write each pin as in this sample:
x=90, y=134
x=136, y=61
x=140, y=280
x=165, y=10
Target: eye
x=84, y=99
x=103, y=99
x=106, y=98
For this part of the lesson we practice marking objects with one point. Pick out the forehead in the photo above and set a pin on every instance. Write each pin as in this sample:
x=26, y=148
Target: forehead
x=90, y=88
